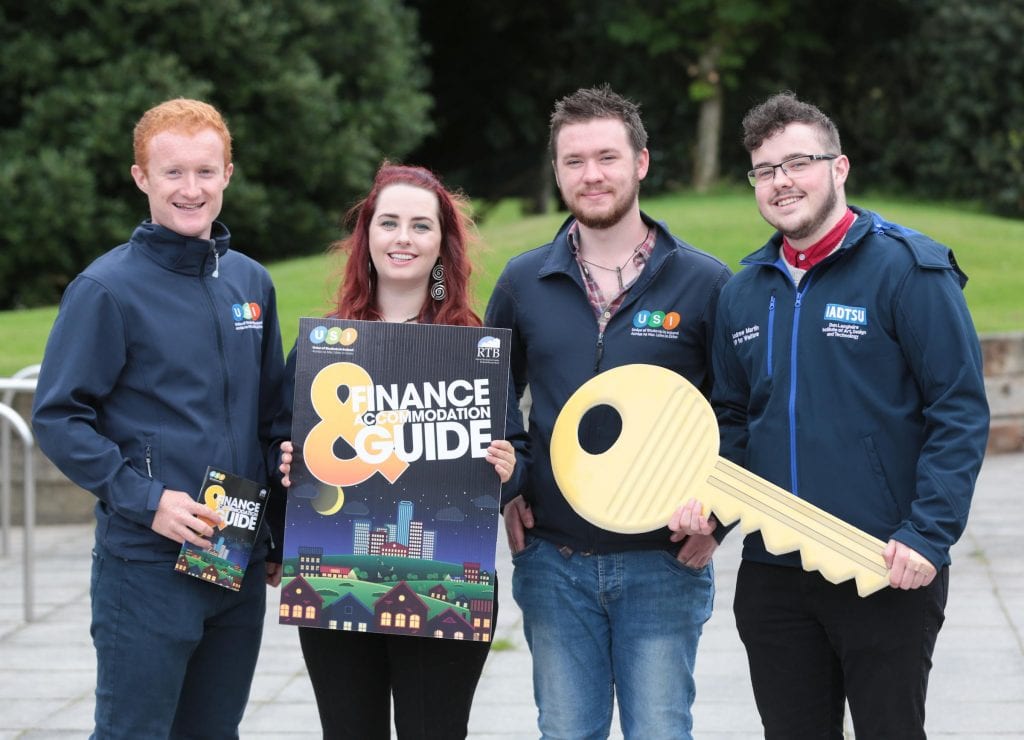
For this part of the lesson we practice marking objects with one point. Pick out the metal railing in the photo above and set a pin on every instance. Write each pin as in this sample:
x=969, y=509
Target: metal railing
x=23, y=381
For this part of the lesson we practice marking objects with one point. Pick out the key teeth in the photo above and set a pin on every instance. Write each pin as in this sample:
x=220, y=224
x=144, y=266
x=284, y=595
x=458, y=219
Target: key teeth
x=811, y=557
x=867, y=585
x=726, y=516
x=774, y=542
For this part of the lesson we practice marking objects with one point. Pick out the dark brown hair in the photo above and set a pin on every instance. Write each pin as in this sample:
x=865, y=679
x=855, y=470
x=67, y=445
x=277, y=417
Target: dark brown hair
x=587, y=104
x=773, y=115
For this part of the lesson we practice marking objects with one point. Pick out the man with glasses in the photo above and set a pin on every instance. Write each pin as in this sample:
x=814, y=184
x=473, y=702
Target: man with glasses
x=848, y=371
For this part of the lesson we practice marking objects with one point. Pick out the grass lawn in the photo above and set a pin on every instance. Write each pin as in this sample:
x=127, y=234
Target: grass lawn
x=989, y=249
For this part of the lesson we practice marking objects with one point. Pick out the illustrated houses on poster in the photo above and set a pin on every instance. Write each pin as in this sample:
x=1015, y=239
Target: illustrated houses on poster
x=392, y=515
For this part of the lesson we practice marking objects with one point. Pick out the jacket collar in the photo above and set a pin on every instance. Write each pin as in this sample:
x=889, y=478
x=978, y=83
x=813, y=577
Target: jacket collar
x=769, y=254
x=182, y=254
x=560, y=259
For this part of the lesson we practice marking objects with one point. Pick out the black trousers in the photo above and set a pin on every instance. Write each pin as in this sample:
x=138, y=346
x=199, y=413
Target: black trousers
x=355, y=674
x=812, y=645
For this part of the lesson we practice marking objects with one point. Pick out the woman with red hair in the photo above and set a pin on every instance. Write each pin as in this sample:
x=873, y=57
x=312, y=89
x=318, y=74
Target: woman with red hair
x=390, y=270
x=406, y=262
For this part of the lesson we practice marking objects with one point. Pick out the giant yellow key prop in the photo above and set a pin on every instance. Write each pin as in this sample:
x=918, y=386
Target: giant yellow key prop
x=667, y=453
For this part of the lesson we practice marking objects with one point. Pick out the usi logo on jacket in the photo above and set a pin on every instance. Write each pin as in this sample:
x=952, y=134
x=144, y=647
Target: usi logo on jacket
x=247, y=316
x=656, y=324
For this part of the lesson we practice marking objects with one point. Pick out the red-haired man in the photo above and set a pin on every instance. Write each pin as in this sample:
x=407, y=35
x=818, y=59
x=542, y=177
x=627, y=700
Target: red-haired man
x=166, y=358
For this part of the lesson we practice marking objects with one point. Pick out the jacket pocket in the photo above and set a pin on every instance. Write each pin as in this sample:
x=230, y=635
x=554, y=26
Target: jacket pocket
x=674, y=566
x=881, y=481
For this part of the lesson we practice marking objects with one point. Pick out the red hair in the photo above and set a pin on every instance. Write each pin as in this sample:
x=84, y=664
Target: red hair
x=181, y=114
x=356, y=297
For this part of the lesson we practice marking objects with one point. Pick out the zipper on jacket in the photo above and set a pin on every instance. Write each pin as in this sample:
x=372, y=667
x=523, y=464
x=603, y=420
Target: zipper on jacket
x=792, y=386
x=265, y=524
x=149, y=461
x=216, y=261
x=225, y=376
x=771, y=331
x=600, y=352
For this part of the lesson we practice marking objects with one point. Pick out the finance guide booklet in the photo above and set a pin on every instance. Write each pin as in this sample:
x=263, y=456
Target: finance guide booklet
x=392, y=516
x=240, y=504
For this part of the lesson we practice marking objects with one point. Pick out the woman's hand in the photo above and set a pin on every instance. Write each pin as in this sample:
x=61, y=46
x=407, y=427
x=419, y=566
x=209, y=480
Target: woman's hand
x=502, y=456
x=286, y=462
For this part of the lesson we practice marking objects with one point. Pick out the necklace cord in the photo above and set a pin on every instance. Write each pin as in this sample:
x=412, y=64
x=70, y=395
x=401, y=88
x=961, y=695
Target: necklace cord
x=618, y=270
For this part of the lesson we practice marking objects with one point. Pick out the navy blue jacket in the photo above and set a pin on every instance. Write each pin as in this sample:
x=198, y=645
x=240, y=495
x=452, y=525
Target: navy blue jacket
x=155, y=368
x=556, y=348
x=861, y=391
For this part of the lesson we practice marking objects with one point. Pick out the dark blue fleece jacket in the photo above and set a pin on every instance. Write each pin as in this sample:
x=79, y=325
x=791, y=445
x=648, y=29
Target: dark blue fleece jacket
x=165, y=358
x=556, y=348
x=861, y=389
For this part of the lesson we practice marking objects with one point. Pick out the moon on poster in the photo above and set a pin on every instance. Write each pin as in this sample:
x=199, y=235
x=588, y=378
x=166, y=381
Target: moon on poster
x=329, y=500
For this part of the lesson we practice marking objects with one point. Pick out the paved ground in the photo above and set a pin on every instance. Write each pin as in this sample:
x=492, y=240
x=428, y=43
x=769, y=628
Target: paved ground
x=977, y=685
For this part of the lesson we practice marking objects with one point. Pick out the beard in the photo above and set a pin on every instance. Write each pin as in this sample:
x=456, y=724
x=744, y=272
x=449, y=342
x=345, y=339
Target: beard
x=608, y=218
x=814, y=221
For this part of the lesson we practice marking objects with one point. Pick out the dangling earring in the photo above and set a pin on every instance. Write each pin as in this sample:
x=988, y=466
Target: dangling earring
x=438, y=290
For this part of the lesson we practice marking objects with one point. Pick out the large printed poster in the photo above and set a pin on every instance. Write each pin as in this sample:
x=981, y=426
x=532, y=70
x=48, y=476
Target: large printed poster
x=392, y=515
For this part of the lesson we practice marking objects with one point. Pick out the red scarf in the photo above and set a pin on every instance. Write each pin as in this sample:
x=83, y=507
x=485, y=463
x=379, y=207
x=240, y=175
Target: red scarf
x=822, y=248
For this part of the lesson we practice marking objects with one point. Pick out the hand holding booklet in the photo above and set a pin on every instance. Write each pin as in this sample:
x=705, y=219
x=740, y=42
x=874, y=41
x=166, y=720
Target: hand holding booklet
x=240, y=504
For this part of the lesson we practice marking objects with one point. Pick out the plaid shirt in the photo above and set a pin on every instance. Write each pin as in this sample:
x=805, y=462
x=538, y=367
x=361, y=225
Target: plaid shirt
x=604, y=310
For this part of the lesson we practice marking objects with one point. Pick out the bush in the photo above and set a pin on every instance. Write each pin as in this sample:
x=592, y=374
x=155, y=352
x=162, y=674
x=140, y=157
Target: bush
x=315, y=92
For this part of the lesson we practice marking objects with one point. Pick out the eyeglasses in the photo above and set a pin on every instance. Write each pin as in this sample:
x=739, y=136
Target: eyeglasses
x=794, y=167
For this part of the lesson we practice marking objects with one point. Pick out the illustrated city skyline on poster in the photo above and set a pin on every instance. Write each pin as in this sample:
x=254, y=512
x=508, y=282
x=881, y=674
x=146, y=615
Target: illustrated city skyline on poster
x=392, y=515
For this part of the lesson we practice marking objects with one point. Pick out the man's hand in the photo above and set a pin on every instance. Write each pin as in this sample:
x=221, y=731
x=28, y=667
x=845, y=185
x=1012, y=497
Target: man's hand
x=181, y=518
x=286, y=463
x=518, y=518
x=908, y=569
x=697, y=550
x=689, y=520
x=274, y=572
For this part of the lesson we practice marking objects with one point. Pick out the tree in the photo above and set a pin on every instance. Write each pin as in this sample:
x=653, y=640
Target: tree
x=712, y=41
x=496, y=70
x=928, y=94
x=966, y=66
x=677, y=58
x=316, y=93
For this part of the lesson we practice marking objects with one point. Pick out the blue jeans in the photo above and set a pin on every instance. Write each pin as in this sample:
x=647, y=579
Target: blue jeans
x=175, y=655
x=624, y=624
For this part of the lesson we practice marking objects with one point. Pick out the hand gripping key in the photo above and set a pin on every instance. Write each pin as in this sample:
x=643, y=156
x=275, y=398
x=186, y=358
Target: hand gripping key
x=667, y=452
